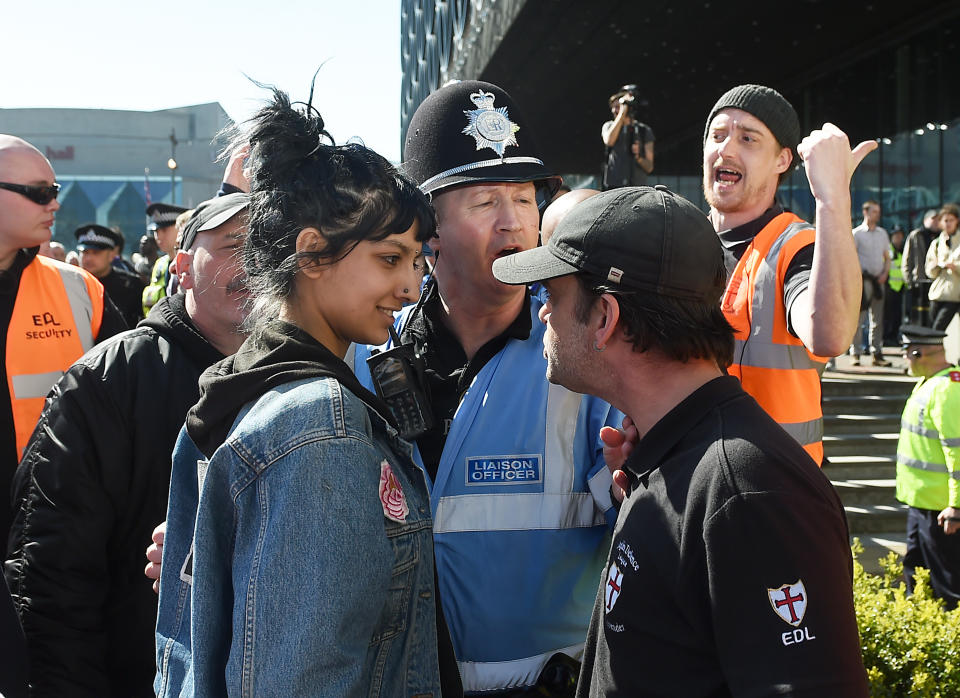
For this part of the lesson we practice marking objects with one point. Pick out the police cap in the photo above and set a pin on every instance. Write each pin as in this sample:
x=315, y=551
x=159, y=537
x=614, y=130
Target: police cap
x=164, y=214
x=91, y=236
x=468, y=132
x=917, y=334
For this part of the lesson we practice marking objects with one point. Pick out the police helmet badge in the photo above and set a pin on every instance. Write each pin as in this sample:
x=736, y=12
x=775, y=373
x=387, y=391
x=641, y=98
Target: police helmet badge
x=490, y=126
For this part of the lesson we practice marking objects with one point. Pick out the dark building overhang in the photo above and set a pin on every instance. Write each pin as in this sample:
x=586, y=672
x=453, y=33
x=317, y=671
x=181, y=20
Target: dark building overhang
x=874, y=69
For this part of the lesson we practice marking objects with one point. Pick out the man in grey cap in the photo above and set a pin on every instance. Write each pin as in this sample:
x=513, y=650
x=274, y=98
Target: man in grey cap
x=792, y=303
x=94, y=478
x=728, y=527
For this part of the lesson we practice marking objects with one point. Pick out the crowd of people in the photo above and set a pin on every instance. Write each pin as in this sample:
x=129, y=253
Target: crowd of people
x=438, y=429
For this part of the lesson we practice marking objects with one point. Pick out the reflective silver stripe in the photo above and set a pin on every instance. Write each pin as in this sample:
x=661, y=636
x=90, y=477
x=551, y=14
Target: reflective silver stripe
x=918, y=429
x=805, y=432
x=926, y=465
x=81, y=305
x=517, y=673
x=477, y=165
x=780, y=356
x=950, y=443
x=563, y=406
x=34, y=384
x=516, y=512
x=761, y=322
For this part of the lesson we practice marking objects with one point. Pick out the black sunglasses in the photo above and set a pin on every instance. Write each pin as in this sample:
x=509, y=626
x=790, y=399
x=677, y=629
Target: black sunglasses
x=42, y=195
x=913, y=353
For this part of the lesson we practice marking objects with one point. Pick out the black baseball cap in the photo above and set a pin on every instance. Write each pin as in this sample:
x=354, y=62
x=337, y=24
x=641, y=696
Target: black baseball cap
x=91, y=236
x=211, y=214
x=636, y=238
x=468, y=132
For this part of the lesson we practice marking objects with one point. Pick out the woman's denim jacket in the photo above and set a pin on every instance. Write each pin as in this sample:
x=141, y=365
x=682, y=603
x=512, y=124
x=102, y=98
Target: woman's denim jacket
x=298, y=582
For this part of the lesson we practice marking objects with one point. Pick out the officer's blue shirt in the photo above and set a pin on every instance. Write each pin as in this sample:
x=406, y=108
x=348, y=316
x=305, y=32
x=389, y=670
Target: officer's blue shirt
x=520, y=496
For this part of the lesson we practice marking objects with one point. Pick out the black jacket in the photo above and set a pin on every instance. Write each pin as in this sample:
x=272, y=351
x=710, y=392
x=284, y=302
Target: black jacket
x=91, y=487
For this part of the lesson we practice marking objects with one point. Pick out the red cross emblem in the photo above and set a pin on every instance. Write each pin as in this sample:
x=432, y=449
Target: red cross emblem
x=614, y=581
x=789, y=602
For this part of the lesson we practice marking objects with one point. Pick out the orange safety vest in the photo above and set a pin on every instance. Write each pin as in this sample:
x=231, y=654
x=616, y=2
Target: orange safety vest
x=56, y=316
x=773, y=365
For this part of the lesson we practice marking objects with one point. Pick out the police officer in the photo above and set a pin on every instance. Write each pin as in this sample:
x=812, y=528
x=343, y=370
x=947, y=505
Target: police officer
x=928, y=463
x=163, y=225
x=520, y=494
x=97, y=245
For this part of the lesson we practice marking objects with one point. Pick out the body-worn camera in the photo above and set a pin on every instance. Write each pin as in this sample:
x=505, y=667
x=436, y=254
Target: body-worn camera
x=397, y=375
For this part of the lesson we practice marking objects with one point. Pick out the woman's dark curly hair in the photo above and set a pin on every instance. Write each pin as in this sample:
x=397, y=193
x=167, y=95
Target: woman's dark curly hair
x=299, y=178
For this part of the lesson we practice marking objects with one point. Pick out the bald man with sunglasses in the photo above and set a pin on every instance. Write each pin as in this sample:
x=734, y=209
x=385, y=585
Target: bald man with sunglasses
x=50, y=312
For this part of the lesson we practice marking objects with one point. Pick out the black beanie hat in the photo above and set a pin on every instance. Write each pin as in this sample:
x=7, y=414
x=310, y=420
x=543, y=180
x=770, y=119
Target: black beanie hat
x=769, y=106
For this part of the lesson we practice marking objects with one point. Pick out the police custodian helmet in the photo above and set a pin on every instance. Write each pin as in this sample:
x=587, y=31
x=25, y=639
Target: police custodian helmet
x=469, y=132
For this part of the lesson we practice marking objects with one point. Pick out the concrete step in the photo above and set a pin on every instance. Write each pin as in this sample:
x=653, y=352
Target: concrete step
x=894, y=385
x=864, y=404
x=877, y=518
x=877, y=545
x=850, y=423
x=861, y=467
x=860, y=444
x=857, y=492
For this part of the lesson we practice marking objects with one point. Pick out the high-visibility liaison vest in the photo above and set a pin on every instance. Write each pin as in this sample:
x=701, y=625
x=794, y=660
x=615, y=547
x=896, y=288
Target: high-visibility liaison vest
x=895, y=278
x=773, y=365
x=928, y=453
x=56, y=317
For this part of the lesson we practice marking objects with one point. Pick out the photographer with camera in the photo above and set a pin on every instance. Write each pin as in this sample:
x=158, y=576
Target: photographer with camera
x=629, y=142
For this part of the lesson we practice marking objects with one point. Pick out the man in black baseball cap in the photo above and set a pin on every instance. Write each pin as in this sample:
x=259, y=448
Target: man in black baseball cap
x=793, y=303
x=523, y=455
x=707, y=584
x=98, y=246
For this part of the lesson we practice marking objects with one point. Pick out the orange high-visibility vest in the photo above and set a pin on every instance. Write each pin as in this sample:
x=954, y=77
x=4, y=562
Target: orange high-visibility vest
x=773, y=365
x=56, y=317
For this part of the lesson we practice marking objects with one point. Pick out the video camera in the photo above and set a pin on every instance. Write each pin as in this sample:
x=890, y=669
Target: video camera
x=630, y=95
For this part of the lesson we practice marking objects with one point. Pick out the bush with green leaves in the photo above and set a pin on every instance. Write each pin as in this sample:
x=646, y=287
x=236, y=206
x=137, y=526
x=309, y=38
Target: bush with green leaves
x=911, y=644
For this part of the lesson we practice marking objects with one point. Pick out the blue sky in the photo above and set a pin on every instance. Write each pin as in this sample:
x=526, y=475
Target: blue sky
x=130, y=55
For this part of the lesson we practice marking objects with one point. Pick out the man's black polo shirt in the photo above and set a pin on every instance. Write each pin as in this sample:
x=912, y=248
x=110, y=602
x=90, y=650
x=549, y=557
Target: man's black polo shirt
x=729, y=570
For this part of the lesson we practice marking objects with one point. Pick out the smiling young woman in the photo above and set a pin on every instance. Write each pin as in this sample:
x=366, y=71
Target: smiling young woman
x=308, y=566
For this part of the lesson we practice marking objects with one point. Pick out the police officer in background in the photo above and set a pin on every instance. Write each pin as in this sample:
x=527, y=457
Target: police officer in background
x=628, y=141
x=97, y=245
x=164, y=228
x=928, y=463
x=521, y=494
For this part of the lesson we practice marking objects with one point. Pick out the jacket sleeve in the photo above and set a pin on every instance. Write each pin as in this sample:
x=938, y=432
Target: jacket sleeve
x=906, y=261
x=944, y=408
x=932, y=266
x=308, y=576
x=57, y=566
x=760, y=547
